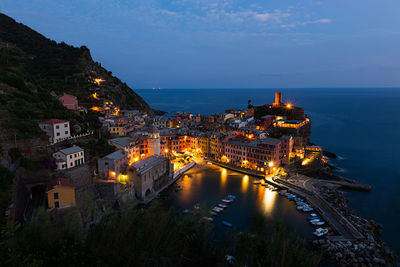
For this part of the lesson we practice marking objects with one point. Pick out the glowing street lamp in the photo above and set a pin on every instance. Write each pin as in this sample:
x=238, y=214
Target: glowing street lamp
x=270, y=164
x=289, y=105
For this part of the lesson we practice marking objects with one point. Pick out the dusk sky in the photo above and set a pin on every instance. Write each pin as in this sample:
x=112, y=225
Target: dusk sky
x=228, y=43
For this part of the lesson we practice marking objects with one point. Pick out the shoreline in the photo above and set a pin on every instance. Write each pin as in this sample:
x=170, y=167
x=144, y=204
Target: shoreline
x=359, y=240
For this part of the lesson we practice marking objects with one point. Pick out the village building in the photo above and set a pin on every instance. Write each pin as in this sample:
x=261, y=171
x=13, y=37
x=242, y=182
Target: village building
x=69, y=101
x=150, y=174
x=112, y=165
x=56, y=129
x=60, y=194
x=69, y=157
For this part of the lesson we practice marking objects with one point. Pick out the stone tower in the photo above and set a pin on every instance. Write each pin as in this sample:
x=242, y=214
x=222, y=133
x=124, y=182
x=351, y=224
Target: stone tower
x=154, y=141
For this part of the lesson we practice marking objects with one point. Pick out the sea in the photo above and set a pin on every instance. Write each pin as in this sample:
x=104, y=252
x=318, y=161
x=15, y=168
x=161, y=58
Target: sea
x=360, y=125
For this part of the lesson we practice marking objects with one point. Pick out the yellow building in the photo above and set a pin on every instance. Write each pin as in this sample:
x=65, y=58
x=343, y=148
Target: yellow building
x=60, y=193
x=117, y=130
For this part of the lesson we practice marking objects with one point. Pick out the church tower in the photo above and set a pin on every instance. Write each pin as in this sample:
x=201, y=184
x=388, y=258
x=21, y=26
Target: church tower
x=154, y=141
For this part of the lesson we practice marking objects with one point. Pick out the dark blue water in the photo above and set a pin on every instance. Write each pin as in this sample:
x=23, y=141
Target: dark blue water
x=207, y=185
x=360, y=125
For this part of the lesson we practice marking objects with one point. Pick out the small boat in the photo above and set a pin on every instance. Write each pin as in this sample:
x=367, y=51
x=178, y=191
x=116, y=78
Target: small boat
x=213, y=213
x=227, y=224
x=185, y=211
x=307, y=209
x=197, y=206
x=230, y=197
x=313, y=214
x=312, y=218
x=216, y=209
x=222, y=206
x=319, y=223
x=320, y=232
x=227, y=200
x=256, y=182
x=208, y=219
x=282, y=192
x=300, y=207
x=314, y=221
x=209, y=163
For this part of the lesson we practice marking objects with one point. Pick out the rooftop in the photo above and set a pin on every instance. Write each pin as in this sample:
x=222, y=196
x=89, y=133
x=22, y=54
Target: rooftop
x=124, y=142
x=117, y=155
x=58, y=182
x=53, y=121
x=71, y=150
x=146, y=164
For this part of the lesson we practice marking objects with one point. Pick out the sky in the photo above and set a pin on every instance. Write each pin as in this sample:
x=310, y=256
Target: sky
x=228, y=43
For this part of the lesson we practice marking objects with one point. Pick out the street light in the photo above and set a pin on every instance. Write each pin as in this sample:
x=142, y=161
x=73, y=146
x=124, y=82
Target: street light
x=270, y=164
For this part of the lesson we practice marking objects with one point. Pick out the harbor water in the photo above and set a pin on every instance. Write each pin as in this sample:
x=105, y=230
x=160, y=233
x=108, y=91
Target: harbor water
x=362, y=126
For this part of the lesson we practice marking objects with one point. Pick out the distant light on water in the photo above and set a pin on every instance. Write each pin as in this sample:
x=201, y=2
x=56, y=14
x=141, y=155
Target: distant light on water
x=245, y=184
x=224, y=177
x=268, y=201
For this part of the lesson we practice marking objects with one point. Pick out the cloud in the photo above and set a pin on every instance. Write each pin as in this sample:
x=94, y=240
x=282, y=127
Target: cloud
x=303, y=23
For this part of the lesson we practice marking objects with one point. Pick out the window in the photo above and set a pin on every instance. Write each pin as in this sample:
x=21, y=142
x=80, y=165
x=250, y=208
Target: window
x=66, y=132
x=58, y=134
x=70, y=156
x=57, y=127
x=55, y=195
x=66, y=125
x=56, y=204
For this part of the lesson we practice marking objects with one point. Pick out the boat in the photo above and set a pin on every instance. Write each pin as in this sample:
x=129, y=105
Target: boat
x=314, y=221
x=320, y=232
x=213, y=213
x=282, y=192
x=231, y=197
x=300, y=207
x=319, y=223
x=226, y=223
x=307, y=209
x=312, y=218
x=197, y=206
x=185, y=211
x=222, y=206
x=209, y=163
x=227, y=200
x=208, y=219
x=256, y=182
x=217, y=209
x=313, y=214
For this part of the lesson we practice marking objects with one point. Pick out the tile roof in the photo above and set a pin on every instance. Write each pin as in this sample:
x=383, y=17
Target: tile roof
x=58, y=181
x=119, y=154
x=71, y=150
x=52, y=121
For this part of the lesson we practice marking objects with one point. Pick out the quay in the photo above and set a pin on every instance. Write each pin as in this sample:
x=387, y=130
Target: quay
x=175, y=178
x=344, y=229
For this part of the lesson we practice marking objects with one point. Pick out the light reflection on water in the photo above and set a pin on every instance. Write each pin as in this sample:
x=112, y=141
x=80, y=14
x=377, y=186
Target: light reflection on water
x=207, y=185
x=268, y=202
x=245, y=184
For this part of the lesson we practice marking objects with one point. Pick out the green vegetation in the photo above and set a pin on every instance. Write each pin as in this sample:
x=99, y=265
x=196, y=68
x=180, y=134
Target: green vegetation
x=6, y=178
x=153, y=236
x=32, y=66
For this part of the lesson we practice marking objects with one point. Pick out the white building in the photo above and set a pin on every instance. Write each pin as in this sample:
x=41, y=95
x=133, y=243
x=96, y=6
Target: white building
x=69, y=157
x=56, y=129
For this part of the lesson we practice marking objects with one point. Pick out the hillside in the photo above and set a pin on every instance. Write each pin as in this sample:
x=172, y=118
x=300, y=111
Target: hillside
x=33, y=68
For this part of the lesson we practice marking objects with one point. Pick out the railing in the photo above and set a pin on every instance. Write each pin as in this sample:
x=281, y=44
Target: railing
x=71, y=137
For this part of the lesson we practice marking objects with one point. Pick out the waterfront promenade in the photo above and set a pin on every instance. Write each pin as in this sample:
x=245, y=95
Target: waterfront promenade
x=344, y=229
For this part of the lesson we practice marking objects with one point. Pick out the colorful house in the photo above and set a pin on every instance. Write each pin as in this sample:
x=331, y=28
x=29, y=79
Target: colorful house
x=60, y=194
x=69, y=101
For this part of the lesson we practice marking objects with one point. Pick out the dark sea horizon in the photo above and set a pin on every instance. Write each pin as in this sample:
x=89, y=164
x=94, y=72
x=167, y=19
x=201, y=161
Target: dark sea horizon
x=360, y=125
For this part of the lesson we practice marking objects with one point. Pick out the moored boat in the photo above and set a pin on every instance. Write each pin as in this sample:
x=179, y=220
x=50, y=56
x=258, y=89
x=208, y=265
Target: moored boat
x=227, y=224
x=320, y=232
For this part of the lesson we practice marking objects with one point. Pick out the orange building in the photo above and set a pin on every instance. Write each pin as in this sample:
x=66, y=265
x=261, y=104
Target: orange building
x=60, y=194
